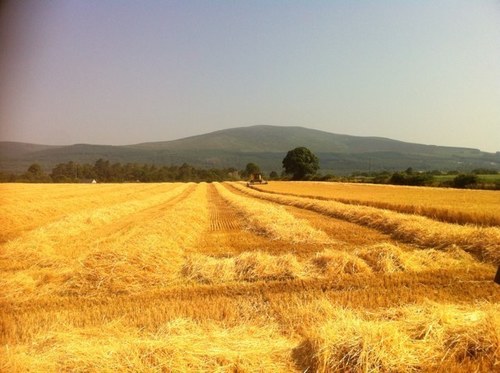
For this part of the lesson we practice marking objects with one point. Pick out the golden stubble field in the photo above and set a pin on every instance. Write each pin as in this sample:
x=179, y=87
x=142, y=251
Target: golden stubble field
x=223, y=278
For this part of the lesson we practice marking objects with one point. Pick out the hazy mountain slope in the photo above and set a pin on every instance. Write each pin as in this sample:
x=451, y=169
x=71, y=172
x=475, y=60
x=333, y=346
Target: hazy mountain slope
x=265, y=145
x=279, y=139
x=255, y=139
x=11, y=149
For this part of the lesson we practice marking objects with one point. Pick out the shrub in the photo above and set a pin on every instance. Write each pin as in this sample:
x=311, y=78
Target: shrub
x=464, y=180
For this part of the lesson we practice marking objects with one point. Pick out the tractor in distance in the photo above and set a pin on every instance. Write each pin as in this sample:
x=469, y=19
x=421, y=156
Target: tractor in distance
x=256, y=178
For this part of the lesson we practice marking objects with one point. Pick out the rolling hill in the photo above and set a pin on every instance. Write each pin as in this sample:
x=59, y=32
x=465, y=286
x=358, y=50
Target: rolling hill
x=264, y=145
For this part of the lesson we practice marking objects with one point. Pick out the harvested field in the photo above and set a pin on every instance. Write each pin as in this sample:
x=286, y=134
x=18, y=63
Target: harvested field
x=424, y=232
x=221, y=277
x=481, y=207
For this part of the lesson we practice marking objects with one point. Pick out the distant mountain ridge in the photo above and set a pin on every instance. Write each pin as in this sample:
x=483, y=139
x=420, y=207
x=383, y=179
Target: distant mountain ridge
x=263, y=138
x=264, y=145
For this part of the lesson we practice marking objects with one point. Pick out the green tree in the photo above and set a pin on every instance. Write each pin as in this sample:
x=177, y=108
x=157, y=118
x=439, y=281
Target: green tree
x=102, y=170
x=35, y=173
x=273, y=175
x=300, y=162
x=252, y=168
x=35, y=170
x=464, y=180
x=65, y=172
x=186, y=173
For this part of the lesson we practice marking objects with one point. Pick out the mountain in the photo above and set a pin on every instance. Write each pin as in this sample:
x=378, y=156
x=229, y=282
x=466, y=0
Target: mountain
x=264, y=145
x=281, y=139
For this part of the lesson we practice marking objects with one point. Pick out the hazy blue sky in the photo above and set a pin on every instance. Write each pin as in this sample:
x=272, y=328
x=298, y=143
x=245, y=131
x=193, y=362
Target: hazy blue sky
x=121, y=72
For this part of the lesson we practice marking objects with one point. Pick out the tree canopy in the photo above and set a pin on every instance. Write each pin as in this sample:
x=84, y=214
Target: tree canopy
x=252, y=168
x=300, y=162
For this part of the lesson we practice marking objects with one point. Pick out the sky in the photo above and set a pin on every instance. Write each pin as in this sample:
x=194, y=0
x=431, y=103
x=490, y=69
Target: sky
x=123, y=72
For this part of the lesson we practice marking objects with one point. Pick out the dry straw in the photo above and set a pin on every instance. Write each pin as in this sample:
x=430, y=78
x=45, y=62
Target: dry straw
x=248, y=267
x=328, y=263
x=151, y=256
x=180, y=345
x=273, y=221
x=411, y=338
x=131, y=254
x=444, y=204
x=484, y=242
x=335, y=263
x=139, y=264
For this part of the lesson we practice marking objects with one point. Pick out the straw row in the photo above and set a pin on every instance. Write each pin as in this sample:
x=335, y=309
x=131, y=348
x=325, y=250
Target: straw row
x=425, y=232
x=272, y=220
x=405, y=339
x=380, y=258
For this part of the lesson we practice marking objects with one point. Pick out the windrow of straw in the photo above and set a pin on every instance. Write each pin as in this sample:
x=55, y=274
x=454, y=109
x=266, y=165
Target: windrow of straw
x=273, y=221
x=180, y=345
x=411, y=338
x=444, y=204
x=150, y=255
x=40, y=261
x=133, y=249
x=248, y=266
x=425, y=232
x=332, y=263
x=74, y=233
x=382, y=258
x=25, y=207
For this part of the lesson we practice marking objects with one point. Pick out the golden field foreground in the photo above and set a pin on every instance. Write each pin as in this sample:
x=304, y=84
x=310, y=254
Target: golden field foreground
x=224, y=278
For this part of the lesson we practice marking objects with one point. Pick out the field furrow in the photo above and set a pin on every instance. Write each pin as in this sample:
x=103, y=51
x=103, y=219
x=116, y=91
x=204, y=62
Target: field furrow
x=273, y=221
x=223, y=217
x=228, y=233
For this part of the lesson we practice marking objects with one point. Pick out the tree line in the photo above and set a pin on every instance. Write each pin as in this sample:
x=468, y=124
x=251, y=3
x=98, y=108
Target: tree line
x=107, y=172
x=451, y=179
x=299, y=164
